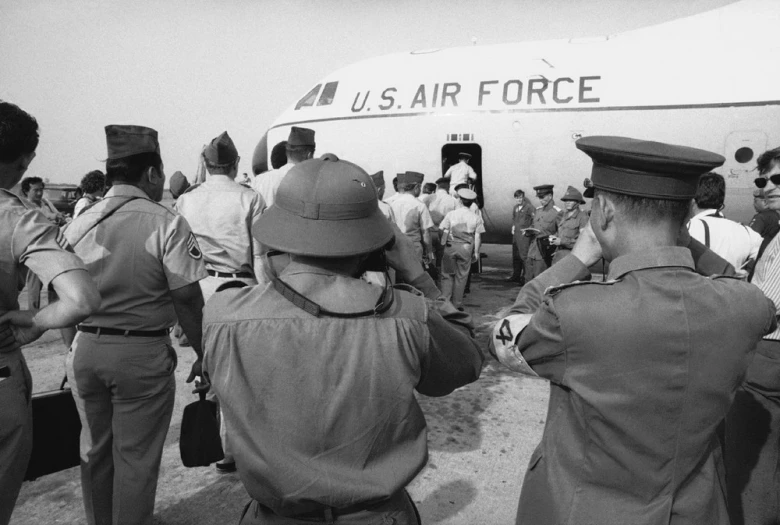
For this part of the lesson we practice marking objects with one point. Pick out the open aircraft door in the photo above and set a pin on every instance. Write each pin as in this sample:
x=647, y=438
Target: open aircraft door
x=741, y=151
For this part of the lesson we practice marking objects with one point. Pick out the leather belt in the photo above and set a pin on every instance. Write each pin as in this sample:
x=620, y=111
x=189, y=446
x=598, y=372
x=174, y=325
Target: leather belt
x=239, y=275
x=328, y=514
x=99, y=330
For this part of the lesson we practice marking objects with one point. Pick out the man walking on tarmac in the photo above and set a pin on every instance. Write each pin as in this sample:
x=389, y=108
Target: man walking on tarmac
x=642, y=367
x=328, y=429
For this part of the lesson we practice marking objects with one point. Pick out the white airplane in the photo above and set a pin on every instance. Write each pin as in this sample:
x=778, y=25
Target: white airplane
x=709, y=81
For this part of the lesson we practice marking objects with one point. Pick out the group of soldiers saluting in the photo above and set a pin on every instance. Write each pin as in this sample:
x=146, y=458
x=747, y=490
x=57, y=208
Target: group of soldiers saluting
x=315, y=364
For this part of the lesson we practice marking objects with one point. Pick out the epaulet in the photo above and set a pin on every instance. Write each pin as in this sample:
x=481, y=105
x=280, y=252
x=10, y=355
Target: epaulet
x=554, y=290
x=408, y=288
x=191, y=188
x=722, y=276
x=539, y=207
x=556, y=208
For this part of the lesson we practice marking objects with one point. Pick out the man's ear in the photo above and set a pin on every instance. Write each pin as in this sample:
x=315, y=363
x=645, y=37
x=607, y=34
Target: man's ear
x=152, y=174
x=606, y=210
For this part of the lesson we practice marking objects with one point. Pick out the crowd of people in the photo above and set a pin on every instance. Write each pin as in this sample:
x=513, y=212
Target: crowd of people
x=317, y=309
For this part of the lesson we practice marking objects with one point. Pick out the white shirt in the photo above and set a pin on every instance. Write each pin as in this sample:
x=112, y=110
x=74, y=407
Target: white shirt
x=463, y=224
x=411, y=216
x=731, y=240
x=441, y=205
x=460, y=173
x=266, y=184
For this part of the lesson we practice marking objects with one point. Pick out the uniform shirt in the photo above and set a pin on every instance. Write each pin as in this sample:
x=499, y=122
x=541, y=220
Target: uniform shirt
x=387, y=211
x=634, y=404
x=426, y=198
x=223, y=215
x=136, y=257
x=266, y=184
x=569, y=226
x=322, y=410
x=28, y=239
x=411, y=216
x=460, y=173
x=546, y=218
x=732, y=241
x=391, y=198
x=441, y=205
x=462, y=224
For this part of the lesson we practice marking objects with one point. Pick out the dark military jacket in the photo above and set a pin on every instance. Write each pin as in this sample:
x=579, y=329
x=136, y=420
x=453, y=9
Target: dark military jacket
x=522, y=217
x=643, y=368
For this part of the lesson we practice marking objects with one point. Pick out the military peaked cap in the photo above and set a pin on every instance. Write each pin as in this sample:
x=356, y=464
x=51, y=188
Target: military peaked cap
x=127, y=140
x=644, y=168
x=465, y=193
x=221, y=150
x=544, y=188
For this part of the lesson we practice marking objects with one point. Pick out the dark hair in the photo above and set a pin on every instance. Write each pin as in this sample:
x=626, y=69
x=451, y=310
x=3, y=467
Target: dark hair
x=395, y=183
x=219, y=169
x=18, y=132
x=407, y=186
x=28, y=182
x=519, y=193
x=429, y=187
x=443, y=183
x=645, y=210
x=711, y=191
x=279, y=155
x=131, y=169
x=93, y=181
x=767, y=160
x=298, y=153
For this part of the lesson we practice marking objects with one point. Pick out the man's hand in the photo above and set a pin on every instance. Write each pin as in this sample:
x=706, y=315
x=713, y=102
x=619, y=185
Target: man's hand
x=587, y=248
x=197, y=371
x=555, y=241
x=23, y=328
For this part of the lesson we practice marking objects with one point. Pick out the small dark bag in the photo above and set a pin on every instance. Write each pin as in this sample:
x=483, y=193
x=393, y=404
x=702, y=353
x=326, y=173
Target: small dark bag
x=56, y=432
x=199, y=442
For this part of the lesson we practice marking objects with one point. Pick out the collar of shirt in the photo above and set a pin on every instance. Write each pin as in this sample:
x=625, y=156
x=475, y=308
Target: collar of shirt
x=219, y=179
x=330, y=290
x=658, y=258
x=707, y=213
x=126, y=190
x=442, y=191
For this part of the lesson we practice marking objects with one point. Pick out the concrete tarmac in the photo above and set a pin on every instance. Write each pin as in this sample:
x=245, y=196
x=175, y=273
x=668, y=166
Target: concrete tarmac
x=480, y=439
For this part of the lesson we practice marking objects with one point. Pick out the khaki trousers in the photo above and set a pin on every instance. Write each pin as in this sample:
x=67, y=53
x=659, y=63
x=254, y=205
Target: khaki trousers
x=124, y=389
x=15, y=429
x=455, y=269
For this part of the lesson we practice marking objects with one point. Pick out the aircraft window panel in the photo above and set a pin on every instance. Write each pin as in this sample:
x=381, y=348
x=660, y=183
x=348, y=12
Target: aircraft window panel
x=328, y=93
x=309, y=98
x=743, y=155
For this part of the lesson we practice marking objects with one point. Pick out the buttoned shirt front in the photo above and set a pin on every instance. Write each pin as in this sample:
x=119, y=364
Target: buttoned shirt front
x=441, y=205
x=136, y=257
x=223, y=216
x=460, y=173
x=411, y=216
x=463, y=224
x=731, y=240
x=635, y=401
x=266, y=184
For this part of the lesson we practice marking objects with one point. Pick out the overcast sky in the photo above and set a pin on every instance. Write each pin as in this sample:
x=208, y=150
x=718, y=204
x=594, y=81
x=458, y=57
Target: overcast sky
x=193, y=68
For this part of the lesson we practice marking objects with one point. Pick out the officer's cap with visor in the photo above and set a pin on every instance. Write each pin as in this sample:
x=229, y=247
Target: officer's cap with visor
x=543, y=189
x=646, y=169
x=325, y=208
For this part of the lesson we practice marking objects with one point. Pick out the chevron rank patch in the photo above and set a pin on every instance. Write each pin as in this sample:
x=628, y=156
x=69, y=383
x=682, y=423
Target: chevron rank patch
x=192, y=247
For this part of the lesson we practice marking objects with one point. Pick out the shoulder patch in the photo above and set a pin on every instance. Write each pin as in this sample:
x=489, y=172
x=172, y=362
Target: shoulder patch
x=721, y=276
x=539, y=207
x=193, y=248
x=554, y=290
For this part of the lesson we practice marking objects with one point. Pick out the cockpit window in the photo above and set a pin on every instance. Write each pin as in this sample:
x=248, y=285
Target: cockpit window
x=309, y=98
x=328, y=92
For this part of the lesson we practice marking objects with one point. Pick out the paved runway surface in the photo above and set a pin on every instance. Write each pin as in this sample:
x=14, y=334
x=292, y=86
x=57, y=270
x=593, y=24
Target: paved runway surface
x=480, y=439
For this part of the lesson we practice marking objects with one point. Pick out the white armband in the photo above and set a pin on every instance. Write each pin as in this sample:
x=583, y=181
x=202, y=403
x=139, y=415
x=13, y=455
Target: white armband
x=503, y=339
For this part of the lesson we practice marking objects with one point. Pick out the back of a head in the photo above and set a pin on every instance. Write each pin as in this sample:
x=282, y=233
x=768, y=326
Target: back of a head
x=300, y=144
x=131, y=151
x=18, y=132
x=220, y=155
x=711, y=192
x=443, y=183
x=279, y=155
x=93, y=181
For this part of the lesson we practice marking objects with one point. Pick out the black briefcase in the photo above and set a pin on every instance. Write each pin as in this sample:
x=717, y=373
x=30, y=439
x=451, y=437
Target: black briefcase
x=199, y=442
x=56, y=432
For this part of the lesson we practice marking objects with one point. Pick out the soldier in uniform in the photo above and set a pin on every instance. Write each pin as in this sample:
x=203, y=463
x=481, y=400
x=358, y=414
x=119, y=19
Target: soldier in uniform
x=300, y=146
x=441, y=204
x=328, y=429
x=461, y=233
x=28, y=239
x=121, y=364
x=639, y=383
x=461, y=173
x=545, y=223
x=378, y=179
x=412, y=216
x=178, y=184
x=522, y=218
x=570, y=223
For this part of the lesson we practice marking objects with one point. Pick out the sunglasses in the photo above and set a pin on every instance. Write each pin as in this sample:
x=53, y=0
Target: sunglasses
x=761, y=182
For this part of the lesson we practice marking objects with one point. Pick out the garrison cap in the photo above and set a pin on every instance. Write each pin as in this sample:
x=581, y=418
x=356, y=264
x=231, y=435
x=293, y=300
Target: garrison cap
x=378, y=178
x=644, y=168
x=221, y=151
x=127, y=140
x=178, y=184
x=325, y=209
x=573, y=194
x=465, y=193
x=300, y=137
x=464, y=155
x=410, y=177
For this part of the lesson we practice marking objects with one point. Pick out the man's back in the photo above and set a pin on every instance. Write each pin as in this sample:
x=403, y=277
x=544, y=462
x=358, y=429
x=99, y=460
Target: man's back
x=266, y=184
x=411, y=216
x=630, y=436
x=731, y=240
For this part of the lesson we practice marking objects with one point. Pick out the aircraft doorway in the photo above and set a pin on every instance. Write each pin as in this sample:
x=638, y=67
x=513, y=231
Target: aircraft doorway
x=449, y=157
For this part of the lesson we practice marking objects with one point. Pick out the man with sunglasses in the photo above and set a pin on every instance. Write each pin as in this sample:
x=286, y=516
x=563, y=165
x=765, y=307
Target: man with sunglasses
x=753, y=422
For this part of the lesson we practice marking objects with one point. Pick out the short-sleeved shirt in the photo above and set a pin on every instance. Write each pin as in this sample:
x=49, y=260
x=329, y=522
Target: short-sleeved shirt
x=82, y=203
x=28, y=239
x=266, y=184
x=569, y=226
x=731, y=240
x=411, y=216
x=223, y=216
x=441, y=205
x=462, y=224
x=136, y=257
x=387, y=211
x=460, y=173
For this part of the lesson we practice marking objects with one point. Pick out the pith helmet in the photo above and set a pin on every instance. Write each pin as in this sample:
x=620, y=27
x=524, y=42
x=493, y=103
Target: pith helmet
x=573, y=194
x=325, y=208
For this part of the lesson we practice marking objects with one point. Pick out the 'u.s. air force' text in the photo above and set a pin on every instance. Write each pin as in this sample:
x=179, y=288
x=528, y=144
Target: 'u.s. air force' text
x=531, y=92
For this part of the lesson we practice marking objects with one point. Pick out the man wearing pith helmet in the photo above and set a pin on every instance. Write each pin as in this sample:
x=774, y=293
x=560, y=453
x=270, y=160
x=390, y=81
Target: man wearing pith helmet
x=317, y=371
x=643, y=367
x=570, y=222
